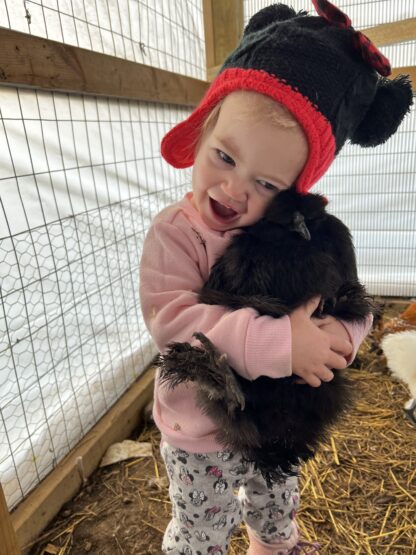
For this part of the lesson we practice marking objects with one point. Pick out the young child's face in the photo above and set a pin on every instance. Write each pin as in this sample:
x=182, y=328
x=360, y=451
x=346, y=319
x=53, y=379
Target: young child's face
x=242, y=163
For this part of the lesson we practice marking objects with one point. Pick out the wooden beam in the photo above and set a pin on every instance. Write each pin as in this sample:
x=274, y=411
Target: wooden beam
x=392, y=33
x=209, y=34
x=41, y=506
x=29, y=61
x=8, y=541
x=223, y=25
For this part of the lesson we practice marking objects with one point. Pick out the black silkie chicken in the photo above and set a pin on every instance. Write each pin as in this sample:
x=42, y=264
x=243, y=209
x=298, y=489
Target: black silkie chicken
x=296, y=252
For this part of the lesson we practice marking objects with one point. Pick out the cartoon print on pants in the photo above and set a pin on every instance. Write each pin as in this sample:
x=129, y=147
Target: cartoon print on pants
x=286, y=496
x=213, y=471
x=186, y=521
x=201, y=536
x=215, y=550
x=197, y=497
x=221, y=522
x=211, y=512
x=254, y=515
x=179, y=500
x=170, y=470
x=181, y=455
x=225, y=455
x=275, y=512
x=185, y=476
x=231, y=506
x=269, y=528
x=186, y=533
x=220, y=486
x=239, y=470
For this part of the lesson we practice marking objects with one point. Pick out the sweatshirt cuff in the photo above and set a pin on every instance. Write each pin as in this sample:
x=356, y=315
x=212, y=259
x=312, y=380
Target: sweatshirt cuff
x=269, y=347
x=357, y=332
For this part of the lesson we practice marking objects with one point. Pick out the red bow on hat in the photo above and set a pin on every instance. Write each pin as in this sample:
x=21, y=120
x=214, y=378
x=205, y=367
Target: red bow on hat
x=370, y=53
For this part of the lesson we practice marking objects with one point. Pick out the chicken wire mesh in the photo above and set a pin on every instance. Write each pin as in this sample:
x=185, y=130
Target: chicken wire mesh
x=167, y=34
x=374, y=190
x=80, y=180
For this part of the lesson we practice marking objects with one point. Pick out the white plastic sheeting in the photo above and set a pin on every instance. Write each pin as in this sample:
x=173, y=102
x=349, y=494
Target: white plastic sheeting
x=81, y=179
x=374, y=190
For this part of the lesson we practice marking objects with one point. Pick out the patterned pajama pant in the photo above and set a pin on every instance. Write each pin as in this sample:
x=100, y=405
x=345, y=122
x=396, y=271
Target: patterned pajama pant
x=212, y=493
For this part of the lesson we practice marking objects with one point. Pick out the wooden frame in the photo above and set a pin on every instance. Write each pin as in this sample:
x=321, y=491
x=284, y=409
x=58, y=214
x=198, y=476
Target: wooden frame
x=40, y=506
x=8, y=540
x=223, y=25
x=392, y=33
x=29, y=61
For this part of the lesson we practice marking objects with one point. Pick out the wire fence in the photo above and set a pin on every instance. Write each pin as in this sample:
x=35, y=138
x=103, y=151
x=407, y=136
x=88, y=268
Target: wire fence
x=167, y=34
x=81, y=179
x=374, y=190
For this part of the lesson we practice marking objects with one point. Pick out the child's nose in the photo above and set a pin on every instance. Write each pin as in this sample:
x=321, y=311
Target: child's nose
x=236, y=188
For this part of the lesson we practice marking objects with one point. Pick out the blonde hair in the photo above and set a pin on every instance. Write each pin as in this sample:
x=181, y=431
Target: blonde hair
x=262, y=108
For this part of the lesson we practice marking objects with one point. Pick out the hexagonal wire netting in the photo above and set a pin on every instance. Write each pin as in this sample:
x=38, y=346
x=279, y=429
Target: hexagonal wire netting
x=80, y=180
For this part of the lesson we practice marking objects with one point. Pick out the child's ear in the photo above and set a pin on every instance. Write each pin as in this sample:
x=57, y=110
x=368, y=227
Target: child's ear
x=275, y=12
x=391, y=103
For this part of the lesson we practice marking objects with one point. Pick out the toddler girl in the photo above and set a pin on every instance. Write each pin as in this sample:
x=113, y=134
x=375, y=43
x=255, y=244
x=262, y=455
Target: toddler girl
x=294, y=90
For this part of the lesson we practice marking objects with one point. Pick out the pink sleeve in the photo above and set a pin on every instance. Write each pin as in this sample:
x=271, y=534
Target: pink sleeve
x=357, y=332
x=169, y=281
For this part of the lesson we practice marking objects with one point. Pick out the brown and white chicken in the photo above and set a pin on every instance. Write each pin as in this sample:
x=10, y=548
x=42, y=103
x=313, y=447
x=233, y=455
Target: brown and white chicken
x=398, y=342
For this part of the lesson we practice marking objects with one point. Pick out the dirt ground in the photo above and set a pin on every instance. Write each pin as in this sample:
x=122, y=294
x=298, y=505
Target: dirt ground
x=358, y=495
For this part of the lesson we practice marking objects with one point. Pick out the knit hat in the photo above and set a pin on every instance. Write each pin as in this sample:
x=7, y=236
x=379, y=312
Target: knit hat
x=329, y=76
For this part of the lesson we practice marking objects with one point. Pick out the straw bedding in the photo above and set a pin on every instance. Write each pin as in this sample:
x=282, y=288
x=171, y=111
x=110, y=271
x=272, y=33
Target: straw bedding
x=358, y=494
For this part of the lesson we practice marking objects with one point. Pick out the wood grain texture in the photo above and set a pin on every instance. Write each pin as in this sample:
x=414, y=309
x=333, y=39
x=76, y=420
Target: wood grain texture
x=223, y=24
x=30, y=61
x=392, y=33
x=8, y=541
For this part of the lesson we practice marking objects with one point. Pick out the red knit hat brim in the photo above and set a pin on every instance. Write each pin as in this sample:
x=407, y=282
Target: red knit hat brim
x=178, y=145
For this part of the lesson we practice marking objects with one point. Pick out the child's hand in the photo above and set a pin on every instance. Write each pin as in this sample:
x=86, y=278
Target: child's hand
x=315, y=349
x=331, y=325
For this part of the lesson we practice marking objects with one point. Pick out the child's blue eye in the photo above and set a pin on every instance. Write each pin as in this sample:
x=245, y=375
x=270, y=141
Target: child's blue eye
x=267, y=185
x=225, y=158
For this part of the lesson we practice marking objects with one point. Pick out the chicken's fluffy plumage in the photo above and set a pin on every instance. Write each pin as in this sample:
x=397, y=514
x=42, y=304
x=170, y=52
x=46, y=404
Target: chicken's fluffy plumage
x=398, y=343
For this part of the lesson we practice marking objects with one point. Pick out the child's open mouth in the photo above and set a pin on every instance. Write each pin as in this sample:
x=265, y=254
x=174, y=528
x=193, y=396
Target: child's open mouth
x=222, y=211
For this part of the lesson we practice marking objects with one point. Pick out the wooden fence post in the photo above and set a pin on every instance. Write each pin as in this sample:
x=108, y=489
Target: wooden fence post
x=223, y=25
x=8, y=541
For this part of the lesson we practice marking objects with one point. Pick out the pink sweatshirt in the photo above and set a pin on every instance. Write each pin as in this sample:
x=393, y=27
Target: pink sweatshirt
x=178, y=253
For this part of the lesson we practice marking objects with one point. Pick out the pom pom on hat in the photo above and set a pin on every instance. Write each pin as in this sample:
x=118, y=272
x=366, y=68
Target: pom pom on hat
x=275, y=12
x=391, y=103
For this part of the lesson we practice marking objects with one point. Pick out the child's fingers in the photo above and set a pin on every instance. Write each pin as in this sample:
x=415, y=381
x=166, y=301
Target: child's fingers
x=314, y=379
x=326, y=375
x=336, y=361
x=339, y=345
x=312, y=305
